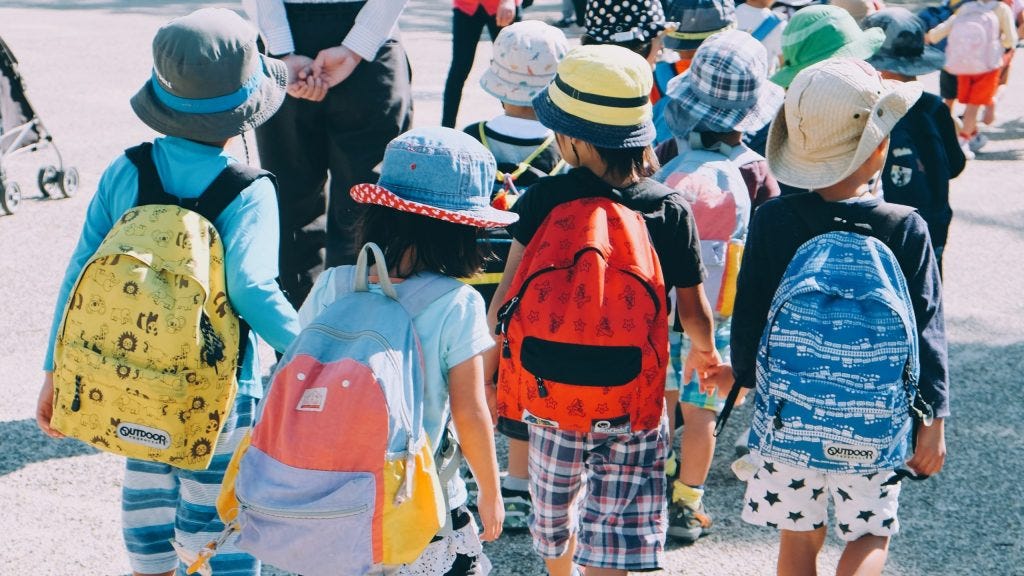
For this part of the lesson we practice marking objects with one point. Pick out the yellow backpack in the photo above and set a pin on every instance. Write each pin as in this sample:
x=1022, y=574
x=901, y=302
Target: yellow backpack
x=147, y=353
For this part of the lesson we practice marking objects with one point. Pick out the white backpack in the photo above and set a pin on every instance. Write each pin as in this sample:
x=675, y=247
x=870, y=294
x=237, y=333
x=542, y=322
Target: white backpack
x=974, y=46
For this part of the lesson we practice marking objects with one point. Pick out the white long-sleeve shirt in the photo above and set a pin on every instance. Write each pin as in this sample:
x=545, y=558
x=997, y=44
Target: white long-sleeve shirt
x=375, y=23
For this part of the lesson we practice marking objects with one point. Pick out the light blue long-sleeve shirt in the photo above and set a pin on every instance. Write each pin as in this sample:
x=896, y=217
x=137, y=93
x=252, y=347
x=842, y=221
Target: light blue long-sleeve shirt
x=248, y=227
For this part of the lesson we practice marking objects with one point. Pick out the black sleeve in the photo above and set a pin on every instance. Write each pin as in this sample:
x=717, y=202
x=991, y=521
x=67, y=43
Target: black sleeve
x=755, y=288
x=533, y=207
x=677, y=244
x=917, y=261
x=956, y=161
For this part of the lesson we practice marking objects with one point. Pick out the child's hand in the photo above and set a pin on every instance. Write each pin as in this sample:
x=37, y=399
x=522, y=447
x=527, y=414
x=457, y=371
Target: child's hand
x=930, y=452
x=719, y=380
x=707, y=364
x=44, y=407
x=491, y=508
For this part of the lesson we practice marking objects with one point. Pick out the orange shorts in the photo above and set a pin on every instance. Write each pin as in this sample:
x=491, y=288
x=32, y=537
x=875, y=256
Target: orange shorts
x=977, y=89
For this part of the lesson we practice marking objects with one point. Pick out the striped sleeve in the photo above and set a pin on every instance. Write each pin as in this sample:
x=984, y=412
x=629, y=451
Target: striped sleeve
x=374, y=25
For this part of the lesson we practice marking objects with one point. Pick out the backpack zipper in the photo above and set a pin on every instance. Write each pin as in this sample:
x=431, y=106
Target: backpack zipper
x=308, y=515
x=76, y=402
x=777, y=418
x=542, y=390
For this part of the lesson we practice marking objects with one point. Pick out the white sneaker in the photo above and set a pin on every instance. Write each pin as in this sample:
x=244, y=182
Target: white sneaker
x=965, y=145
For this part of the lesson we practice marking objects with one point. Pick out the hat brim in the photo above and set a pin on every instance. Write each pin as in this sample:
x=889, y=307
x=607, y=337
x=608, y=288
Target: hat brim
x=686, y=111
x=793, y=169
x=866, y=45
x=603, y=135
x=516, y=93
x=484, y=217
x=216, y=127
x=929, y=61
x=673, y=43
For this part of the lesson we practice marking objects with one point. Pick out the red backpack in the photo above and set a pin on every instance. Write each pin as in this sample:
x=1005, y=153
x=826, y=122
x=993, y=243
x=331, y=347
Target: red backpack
x=585, y=336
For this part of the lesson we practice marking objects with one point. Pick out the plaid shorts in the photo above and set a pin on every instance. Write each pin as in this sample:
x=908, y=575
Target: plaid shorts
x=607, y=488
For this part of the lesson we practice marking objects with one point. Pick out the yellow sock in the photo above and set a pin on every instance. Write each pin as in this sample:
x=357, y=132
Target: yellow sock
x=671, y=464
x=688, y=495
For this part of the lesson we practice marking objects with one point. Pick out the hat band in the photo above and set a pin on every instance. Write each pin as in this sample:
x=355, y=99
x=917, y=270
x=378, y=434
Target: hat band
x=598, y=99
x=208, y=105
x=697, y=35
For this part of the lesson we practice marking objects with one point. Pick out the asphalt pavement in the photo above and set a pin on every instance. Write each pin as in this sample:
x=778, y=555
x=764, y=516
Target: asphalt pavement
x=59, y=500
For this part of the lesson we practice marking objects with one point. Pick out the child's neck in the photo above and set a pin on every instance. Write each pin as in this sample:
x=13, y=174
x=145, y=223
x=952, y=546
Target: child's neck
x=524, y=112
x=845, y=190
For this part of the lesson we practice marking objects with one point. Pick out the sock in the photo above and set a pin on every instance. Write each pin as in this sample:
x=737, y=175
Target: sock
x=671, y=464
x=689, y=496
x=514, y=484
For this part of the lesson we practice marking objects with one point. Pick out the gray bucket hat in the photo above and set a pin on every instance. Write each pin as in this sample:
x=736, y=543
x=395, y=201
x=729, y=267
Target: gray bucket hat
x=209, y=81
x=696, y=20
x=904, y=50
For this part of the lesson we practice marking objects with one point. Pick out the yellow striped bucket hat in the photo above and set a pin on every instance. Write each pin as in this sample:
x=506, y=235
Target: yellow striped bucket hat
x=601, y=95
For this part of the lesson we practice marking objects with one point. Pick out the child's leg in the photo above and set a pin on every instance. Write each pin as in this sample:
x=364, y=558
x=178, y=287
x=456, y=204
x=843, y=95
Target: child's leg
x=556, y=481
x=518, y=459
x=698, y=444
x=197, y=522
x=864, y=556
x=798, y=552
x=148, y=497
x=970, y=120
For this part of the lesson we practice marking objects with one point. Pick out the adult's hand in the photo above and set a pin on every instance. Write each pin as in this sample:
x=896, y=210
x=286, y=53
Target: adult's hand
x=506, y=13
x=301, y=81
x=335, y=65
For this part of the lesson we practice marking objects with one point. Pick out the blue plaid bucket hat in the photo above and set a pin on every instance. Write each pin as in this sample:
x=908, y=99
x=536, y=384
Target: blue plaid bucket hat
x=726, y=88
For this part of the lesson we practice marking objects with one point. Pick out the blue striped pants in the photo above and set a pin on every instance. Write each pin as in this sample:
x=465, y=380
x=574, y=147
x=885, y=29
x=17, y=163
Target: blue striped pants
x=160, y=502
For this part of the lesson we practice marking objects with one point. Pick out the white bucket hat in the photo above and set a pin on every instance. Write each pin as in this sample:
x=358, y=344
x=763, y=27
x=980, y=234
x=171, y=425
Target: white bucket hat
x=526, y=57
x=835, y=115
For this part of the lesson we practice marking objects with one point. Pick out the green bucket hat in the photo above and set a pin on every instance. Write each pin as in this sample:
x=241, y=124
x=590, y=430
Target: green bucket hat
x=821, y=32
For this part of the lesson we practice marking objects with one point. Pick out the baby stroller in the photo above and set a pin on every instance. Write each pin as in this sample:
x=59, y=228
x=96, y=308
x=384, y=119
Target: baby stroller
x=21, y=131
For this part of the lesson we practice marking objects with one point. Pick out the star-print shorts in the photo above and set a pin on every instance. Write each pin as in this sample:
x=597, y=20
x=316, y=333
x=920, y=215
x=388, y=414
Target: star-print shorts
x=790, y=498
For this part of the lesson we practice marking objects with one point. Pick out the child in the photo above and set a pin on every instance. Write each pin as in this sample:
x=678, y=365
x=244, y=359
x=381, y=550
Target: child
x=197, y=60
x=990, y=25
x=426, y=213
x=526, y=55
x=469, y=17
x=758, y=19
x=597, y=85
x=831, y=136
x=725, y=93
x=924, y=153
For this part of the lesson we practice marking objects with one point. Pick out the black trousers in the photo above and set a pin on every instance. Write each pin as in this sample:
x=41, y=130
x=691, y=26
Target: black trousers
x=466, y=31
x=319, y=150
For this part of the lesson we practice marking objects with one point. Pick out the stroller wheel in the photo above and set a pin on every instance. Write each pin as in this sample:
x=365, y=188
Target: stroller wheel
x=48, y=180
x=10, y=197
x=69, y=182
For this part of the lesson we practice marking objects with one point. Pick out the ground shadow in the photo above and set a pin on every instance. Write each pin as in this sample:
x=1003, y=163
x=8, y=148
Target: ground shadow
x=1012, y=130
x=22, y=443
x=1001, y=155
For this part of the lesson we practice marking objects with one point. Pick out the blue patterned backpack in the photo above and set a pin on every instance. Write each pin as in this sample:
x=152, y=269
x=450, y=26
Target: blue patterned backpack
x=837, y=368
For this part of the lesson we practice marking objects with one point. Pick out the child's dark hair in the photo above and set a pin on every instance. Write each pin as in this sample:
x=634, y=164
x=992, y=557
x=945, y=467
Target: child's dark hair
x=625, y=162
x=640, y=47
x=438, y=246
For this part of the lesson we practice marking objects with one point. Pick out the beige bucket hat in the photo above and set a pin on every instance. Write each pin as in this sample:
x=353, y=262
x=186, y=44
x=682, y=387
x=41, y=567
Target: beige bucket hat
x=835, y=114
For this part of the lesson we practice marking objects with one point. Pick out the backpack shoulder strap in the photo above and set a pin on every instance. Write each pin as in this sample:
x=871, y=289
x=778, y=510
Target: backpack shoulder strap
x=221, y=192
x=231, y=181
x=766, y=27
x=151, y=189
x=418, y=292
x=819, y=218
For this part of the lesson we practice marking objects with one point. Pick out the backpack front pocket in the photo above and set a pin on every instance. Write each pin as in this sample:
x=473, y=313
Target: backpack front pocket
x=278, y=528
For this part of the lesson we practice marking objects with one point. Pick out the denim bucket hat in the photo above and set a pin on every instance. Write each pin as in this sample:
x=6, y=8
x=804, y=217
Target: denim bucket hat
x=821, y=32
x=439, y=173
x=696, y=20
x=209, y=80
x=623, y=21
x=526, y=56
x=600, y=95
x=904, y=50
x=726, y=88
x=836, y=113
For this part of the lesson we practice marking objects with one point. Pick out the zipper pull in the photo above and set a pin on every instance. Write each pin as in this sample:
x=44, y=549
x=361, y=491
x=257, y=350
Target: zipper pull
x=542, y=390
x=76, y=402
x=506, y=350
x=505, y=312
x=777, y=419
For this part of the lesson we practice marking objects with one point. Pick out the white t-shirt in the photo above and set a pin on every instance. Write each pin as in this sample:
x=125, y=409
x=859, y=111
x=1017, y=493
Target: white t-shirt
x=748, y=18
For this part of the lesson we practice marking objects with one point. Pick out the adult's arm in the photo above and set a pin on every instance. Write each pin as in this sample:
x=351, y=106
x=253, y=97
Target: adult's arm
x=374, y=25
x=272, y=22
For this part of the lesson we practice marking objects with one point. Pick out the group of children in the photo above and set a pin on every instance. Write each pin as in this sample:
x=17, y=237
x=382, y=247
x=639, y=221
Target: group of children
x=840, y=116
